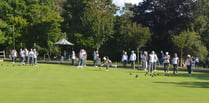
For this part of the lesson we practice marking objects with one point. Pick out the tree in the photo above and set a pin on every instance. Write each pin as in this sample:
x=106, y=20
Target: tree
x=201, y=21
x=128, y=35
x=135, y=34
x=98, y=22
x=188, y=42
x=44, y=25
x=72, y=25
x=164, y=18
x=30, y=22
x=12, y=14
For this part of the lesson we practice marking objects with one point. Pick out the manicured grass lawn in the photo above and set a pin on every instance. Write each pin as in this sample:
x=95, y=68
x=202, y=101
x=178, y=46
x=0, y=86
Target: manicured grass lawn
x=52, y=83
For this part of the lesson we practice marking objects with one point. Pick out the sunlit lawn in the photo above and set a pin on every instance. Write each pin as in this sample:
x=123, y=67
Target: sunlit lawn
x=53, y=83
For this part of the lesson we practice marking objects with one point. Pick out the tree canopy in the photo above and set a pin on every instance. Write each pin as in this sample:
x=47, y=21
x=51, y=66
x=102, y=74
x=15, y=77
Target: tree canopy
x=189, y=42
x=98, y=22
x=180, y=26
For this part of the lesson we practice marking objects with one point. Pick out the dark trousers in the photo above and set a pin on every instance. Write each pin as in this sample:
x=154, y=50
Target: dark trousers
x=73, y=61
x=175, y=68
x=151, y=66
x=31, y=60
x=166, y=67
x=81, y=62
x=26, y=59
x=22, y=59
x=189, y=69
x=125, y=62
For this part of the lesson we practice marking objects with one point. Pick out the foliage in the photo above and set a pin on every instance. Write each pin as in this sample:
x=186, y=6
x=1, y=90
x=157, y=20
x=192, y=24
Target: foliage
x=164, y=18
x=47, y=24
x=188, y=42
x=3, y=25
x=128, y=35
x=135, y=34
x=201, y=21
x=98, y=21
x=29, y=22
x=92, y=24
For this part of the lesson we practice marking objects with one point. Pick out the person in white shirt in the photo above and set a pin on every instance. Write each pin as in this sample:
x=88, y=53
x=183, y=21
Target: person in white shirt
x=175, y=62
x=81, y=62
x=166, y=62
x=144, y=58
x=31, y=57
x=132, y=59
x=22, y=56
x=35, y=56
x=84, y=58
x=14, y=55
x=155, y=61
x=124, y=59
x=189, y=64
x=73, y=57
x=152, y=61
x=96, y=58
x=26, y=55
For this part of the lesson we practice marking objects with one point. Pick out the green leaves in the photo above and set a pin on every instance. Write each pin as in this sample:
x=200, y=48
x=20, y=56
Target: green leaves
x=98, y=21
x=2, y=37
x=92, y=24
x=201, y=21
x=189, y=42
x=136, y=34
x=28, y=22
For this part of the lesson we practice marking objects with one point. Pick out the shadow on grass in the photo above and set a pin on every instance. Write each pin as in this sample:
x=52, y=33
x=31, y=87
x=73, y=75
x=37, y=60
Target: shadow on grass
x=192, y=84
x=94, y=70
x=200, y=76
x=183, y=74
x=189, y=84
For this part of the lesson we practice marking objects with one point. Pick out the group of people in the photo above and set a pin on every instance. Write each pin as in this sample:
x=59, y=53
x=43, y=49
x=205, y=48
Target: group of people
x=150, y=60
x=175, y=62
x=132, y=59
x=26, y=56
x=82, y=57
